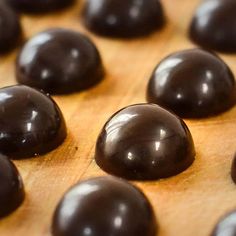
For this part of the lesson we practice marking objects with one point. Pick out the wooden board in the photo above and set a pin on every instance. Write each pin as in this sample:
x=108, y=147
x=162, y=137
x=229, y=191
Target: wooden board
x=188, y=204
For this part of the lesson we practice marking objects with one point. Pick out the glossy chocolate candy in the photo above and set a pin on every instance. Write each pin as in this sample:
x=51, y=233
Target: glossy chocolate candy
x=193, y=83
x=213, y=25
x=10, y=29
x=104, y=206
x=30, y=122
x=39, y=6
x=11, y=187
x=129, y=18
x=59, y=61
x=144, y=142
x=226, y=226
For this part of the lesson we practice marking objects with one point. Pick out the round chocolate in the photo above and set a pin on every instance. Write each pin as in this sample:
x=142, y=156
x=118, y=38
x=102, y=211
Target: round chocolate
x=104, y=206
x=233, y=169
x=129, y=18
x=226, y=226
x=144, y=142
x=59, y=61
x=40, y=6
x=30, y=122
x=11, y=187
x=213, y=25
x=193, y=83
x=10, y=29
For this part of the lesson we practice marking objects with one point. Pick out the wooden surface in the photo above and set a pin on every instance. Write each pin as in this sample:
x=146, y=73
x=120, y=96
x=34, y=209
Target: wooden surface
x=188, y=204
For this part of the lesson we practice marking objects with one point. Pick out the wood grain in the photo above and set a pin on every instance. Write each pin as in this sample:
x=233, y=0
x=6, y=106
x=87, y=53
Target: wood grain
x=188, y=204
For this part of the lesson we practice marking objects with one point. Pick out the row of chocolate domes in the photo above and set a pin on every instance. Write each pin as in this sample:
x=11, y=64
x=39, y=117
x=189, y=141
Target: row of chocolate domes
x=212, y=26
x=193, y=83
x=141, y=142
x=98, y=206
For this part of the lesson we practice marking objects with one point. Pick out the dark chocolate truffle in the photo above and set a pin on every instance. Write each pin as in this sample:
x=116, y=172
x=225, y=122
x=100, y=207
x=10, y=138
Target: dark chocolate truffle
x=144, y=142
x=30, y=122
x=213, y=25
x=104, y=206
x=11, y=187
x=233, y=169
x=59, y=61
x=193, y=83
x=10, y=29
x=39, y=6
x=226, y=226
x=129, y=18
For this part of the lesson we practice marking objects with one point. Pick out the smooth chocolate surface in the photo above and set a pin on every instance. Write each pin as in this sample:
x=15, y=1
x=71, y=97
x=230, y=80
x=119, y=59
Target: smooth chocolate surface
x=10, y=28
x=30, y=122
x=39, y=6
x=213, y=25
x=145, y=142
x=11, y=187
x=125, y=19
x=59, y=61
x=226, y=226
x=233, y=169
x=193, y=83
x=104, y=206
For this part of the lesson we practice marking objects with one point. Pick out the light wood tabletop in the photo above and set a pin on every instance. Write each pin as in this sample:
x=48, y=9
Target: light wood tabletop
x=188, y=204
